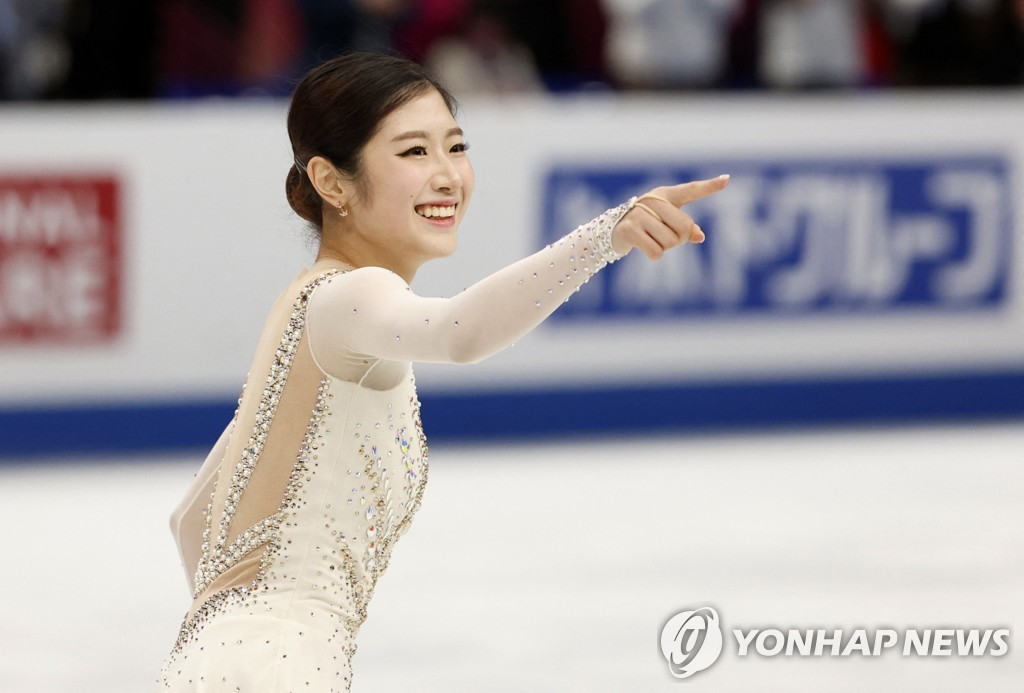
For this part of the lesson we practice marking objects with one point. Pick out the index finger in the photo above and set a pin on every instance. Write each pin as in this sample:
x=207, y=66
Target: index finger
x=685, y=193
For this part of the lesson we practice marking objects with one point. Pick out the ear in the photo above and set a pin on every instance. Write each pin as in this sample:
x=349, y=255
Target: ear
x=327, y=181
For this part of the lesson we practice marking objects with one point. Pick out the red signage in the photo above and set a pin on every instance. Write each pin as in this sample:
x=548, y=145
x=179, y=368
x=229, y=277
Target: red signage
x=60, y=259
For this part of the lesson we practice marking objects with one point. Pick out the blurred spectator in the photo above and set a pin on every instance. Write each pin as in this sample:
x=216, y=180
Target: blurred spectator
x=670, y=43
x=566, y=38
x=744, y=46
x=199, y=47
x=8, y=46
x=271, y=45
x=112, y=50
x=485, y=57
x=117, y=49
x=33, y=52
x=228, y=47
x=877, y=46
x=812, y=43
x=333, y=27
x=588, y=29
x=958, y=42
x=426, y=22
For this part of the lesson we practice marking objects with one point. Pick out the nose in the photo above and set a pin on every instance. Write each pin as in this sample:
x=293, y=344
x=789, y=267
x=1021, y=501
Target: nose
x=446, y=177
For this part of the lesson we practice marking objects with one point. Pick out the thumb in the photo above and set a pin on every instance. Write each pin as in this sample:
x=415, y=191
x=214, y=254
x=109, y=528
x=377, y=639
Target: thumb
x=685, y=193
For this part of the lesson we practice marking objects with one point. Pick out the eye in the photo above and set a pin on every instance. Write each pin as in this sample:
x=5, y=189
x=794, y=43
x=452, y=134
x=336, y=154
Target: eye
x=415, y=151
x=460, y=147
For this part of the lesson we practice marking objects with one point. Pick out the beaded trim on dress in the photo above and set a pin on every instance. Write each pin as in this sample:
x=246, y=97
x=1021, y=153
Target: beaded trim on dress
x=217, y=559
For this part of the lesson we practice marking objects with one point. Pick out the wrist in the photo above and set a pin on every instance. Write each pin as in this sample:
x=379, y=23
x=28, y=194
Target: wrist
x=619, y=244
x=609, y=246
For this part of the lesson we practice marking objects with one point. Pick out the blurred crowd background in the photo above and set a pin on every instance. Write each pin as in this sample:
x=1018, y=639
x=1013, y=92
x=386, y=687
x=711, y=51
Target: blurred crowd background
x=145, y=49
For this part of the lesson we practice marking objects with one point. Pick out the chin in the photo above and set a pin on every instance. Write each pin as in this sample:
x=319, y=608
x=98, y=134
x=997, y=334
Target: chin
x=438, y=249
x=449, y=242
x=449, y=248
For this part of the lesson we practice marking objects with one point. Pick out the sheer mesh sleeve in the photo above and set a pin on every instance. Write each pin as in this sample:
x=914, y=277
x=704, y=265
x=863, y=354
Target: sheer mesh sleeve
x=372, y=311
x=189, y=520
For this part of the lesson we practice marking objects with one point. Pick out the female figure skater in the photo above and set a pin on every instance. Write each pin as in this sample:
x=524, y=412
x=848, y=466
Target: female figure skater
x=293, y=516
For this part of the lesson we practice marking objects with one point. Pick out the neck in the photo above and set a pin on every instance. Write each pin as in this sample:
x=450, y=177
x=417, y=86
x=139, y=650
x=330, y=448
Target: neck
x=333, y=247
x=326, y=253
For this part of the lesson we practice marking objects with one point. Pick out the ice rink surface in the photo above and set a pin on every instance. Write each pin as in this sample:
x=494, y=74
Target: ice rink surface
x=554, y=567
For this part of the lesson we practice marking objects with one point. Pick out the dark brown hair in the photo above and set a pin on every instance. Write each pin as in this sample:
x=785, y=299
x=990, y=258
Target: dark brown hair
x=337, y=108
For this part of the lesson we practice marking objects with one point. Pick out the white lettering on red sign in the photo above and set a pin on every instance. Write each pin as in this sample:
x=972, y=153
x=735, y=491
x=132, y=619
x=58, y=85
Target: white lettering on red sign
x=60, y=259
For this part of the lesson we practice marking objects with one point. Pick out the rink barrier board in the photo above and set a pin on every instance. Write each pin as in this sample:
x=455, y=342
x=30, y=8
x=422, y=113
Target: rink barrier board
x=864, y=265
x=150, y=427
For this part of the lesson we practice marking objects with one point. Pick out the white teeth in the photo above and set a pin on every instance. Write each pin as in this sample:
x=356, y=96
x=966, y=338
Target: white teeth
x=431, y=211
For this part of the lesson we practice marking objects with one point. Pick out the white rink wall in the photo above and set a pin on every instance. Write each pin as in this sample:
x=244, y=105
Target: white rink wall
x=861, y=239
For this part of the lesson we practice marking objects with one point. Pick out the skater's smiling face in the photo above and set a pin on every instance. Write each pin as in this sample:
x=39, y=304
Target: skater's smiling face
x=415, y=186
x=380, y=167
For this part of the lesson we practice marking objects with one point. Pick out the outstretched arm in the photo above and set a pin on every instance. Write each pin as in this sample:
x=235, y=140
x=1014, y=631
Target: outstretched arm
x=372, y=311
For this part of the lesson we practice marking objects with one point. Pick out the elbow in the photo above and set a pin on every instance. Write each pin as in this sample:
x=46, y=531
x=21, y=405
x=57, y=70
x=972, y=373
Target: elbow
x=175, y=522
x=465, y=358
x=178, y=518
x=466, y=352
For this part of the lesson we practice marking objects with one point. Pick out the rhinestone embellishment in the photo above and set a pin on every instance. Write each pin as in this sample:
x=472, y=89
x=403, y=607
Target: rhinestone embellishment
x=219, y=557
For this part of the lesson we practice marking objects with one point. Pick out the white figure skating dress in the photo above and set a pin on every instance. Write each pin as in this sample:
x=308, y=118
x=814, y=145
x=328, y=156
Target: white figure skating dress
x=296, y=510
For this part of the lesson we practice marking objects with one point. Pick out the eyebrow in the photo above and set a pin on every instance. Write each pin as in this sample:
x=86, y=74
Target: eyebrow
x=422, y=135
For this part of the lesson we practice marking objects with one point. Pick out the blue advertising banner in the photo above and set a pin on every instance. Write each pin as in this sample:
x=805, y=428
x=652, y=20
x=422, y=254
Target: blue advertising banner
x=806, y=236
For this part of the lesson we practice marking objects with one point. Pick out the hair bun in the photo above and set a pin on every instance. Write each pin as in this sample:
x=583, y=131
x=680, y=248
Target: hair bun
x=302, y=197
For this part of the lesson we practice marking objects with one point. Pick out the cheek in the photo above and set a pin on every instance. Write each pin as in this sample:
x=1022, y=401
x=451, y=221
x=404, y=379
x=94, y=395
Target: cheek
x=393, y=187
x=404, y=183
x=468, y=179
